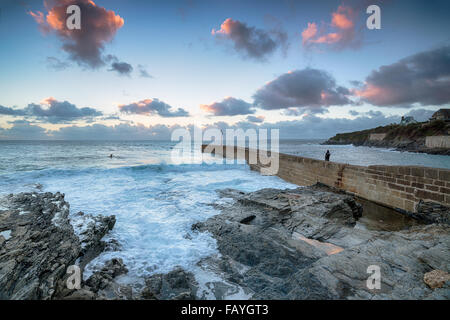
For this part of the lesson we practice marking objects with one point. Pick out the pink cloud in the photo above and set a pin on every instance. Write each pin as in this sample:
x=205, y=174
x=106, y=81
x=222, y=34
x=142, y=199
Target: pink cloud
x=342, y=19
x=40, y=20
x=310, y=32
x=227, y=27
x=340, y=33
x=98, y=27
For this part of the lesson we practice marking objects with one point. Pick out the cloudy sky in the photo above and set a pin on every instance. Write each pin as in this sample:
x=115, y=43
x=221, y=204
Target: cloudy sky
x=139, y=69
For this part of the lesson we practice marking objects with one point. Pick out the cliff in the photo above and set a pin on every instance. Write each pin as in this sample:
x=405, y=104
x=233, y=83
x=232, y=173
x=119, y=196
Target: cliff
x=412, y=137
x=38, y=244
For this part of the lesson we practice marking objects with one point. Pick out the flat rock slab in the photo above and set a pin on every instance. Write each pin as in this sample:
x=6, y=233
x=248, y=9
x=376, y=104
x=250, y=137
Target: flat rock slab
x=303, y=244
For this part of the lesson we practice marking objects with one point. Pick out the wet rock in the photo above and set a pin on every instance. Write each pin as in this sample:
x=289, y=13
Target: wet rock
x=41, y=245
x=101, y=285
x=175, y=285
x=38, y=244
x=91, y=230
x=103, y=278
x=304, y=244
x=433, y=212
x=81, y=294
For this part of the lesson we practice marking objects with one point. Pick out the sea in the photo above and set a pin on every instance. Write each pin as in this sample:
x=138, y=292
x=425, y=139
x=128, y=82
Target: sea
x=156, y=191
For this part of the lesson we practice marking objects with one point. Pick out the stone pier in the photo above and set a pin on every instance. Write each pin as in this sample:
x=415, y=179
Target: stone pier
x=399, y=187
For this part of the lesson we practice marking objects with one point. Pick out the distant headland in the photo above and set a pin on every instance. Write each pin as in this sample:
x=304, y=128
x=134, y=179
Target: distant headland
x=431, y=137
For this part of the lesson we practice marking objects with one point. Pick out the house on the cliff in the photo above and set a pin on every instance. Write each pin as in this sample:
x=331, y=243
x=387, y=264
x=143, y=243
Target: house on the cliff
x=441, y=114
x=407, y=120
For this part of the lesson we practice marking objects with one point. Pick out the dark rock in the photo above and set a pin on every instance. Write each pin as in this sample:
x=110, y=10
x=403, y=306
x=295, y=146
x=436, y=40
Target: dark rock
x=91, y=231
x=432, y=212
x=103, y=278
x=175, y=285
x=41, y=246
x=81, y=294
x=38, y=244
x=303, y=244
x=248, y=219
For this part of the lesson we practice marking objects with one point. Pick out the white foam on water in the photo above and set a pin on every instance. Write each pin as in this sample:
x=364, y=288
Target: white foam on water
x=155, y=207
x=208, y=279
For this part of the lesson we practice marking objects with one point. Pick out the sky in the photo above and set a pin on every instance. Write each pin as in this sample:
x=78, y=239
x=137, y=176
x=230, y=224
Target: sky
x=140, y=69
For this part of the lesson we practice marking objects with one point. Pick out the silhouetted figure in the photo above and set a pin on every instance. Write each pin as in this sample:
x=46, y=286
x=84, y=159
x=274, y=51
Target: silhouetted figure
x=111, y=155
x=327, y=155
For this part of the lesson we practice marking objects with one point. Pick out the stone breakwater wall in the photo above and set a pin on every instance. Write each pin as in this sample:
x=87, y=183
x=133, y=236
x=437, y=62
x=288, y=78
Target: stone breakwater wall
x=438, y=142
x=399, y=187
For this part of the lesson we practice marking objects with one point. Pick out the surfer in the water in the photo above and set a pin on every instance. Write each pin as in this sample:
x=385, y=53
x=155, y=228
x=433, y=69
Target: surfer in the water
x=111, y=155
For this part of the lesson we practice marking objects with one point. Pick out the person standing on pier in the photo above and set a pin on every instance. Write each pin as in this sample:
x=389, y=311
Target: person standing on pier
x=327, y=155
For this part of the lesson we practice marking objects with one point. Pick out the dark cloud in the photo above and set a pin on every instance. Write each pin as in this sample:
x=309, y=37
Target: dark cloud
x=118, y=132
x=53, y=112
x=56, y=64
x=253, y=119
x=250, y=41
x=26, y=131
x=308, y=89
x=421, y=115
x=309, y=127
x=423, y=78
x=23, y=130
x=151, y=107
x=228, y=107
x=11, y=112
x=313, y=127
x=374, y=114
x=60, y=111
x=297, y=112
x=121, y=68
x=111, y=117
x=98, y=27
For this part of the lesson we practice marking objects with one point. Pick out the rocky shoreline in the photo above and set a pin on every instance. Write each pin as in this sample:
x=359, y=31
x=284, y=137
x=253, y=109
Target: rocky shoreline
x=38, y=244
x=305, y=243
x=404, y=146
x=411, y=137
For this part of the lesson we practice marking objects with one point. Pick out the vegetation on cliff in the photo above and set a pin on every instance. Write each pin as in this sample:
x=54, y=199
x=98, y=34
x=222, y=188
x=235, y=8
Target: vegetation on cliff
x=409, y=137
